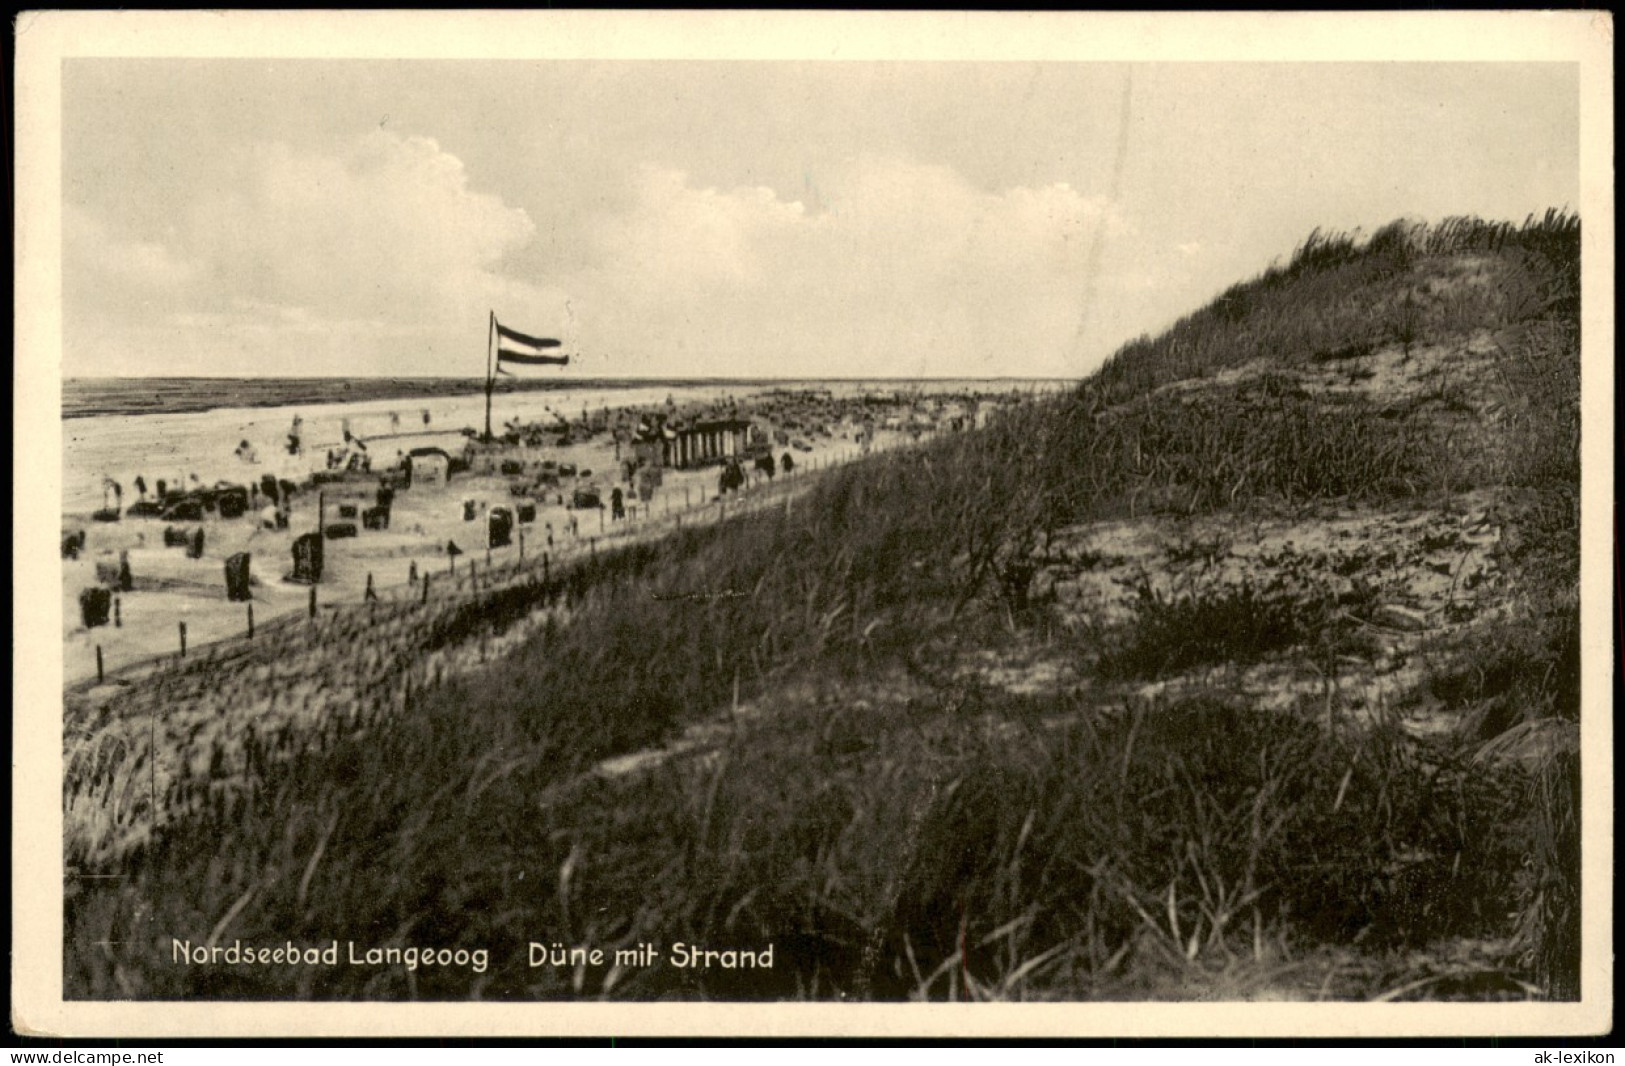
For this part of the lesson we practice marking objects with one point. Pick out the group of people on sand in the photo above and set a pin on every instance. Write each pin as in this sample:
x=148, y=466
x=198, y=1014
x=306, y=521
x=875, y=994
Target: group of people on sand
x=355, y=460
x=733, y=477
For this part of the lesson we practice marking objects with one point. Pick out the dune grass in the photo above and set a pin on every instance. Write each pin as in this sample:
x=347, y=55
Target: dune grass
x=894, y=837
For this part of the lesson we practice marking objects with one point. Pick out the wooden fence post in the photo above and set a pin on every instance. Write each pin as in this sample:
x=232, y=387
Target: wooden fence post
x=99, y=675
x=183, y=639
x=251, y=621
x=118, y=614
x=313, y=601
x=426, y=588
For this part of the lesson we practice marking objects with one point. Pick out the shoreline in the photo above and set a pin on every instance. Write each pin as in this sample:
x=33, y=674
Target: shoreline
x=173, y=445
x=136, y=396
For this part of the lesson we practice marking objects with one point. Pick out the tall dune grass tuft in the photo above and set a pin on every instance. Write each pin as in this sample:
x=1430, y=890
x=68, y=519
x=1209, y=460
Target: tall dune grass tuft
x=944, y=842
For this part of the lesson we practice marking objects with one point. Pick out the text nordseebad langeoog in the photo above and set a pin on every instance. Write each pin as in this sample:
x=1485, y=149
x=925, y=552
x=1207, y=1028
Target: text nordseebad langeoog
x=477, y=960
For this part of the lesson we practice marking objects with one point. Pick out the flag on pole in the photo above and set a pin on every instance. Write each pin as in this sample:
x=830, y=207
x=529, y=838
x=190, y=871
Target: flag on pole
x=521, y=349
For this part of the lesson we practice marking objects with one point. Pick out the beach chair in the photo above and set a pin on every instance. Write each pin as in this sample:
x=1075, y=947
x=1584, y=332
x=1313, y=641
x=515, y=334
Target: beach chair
x=237, y=589
x=95, y=605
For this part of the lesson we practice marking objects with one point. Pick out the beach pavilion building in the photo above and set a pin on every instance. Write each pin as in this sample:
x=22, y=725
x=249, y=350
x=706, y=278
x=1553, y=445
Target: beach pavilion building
x=697, y=444
x=704, y=443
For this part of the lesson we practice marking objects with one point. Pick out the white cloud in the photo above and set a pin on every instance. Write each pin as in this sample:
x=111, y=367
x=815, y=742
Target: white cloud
x=389, y=230
x=384, y=258
x=97, y=259
x=384, y=243
x=906, y=269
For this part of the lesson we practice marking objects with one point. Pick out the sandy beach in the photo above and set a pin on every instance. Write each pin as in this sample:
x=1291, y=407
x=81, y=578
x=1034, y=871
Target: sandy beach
x=170, y=589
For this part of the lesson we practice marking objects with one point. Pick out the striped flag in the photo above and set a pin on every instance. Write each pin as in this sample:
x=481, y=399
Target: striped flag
x=522, y=349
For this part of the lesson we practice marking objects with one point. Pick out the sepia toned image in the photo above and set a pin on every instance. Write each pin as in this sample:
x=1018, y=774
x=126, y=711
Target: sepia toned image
x=910, y=524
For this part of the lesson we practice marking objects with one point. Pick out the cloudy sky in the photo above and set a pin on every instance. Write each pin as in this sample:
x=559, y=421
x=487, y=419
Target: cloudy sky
x=672, y=218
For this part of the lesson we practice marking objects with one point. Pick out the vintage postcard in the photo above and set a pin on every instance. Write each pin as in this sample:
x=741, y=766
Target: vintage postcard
x=773, y=523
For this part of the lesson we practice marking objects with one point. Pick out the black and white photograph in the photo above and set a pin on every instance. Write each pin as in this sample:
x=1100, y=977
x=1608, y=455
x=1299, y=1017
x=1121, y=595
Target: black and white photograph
x=752, y=522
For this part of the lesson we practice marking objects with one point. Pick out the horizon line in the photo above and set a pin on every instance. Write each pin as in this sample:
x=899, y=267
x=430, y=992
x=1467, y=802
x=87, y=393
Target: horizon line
x=594, y=380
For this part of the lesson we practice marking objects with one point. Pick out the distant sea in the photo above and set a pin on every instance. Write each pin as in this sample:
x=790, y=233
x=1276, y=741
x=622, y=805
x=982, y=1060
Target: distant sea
x=86, y=397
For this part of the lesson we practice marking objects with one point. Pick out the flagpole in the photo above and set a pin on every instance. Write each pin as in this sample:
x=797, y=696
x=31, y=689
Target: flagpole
x=490, y=378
